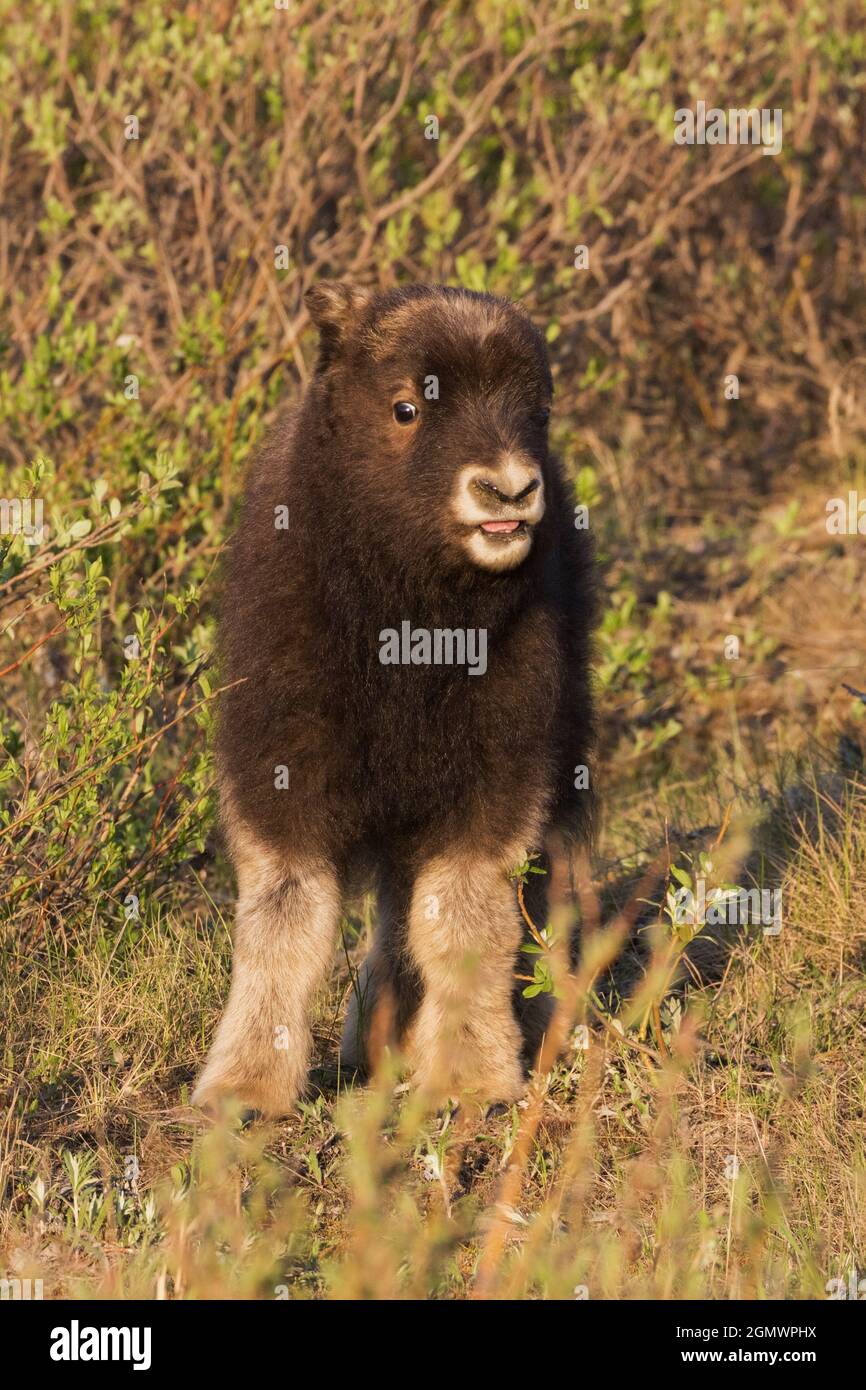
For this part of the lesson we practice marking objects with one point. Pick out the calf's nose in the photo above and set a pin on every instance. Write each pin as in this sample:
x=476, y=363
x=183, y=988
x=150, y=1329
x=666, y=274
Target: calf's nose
x=514, y=482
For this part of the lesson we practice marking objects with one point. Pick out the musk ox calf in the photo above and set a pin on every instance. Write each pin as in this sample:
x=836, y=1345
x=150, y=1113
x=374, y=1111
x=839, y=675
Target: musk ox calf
x=406, y=627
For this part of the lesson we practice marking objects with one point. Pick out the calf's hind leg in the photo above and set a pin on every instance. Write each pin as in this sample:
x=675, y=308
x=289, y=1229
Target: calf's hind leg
x=286, y=925
x=386, y=991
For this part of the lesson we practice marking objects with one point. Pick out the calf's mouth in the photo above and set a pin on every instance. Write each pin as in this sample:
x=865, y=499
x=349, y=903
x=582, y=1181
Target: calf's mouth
x=493, y=528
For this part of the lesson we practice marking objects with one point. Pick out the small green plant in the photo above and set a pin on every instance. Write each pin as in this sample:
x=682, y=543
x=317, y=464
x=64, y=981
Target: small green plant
x=544, y=940
x=698, y=901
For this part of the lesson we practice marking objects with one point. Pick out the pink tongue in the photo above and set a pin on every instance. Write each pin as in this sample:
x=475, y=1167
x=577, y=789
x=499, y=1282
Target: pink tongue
x=500, y=525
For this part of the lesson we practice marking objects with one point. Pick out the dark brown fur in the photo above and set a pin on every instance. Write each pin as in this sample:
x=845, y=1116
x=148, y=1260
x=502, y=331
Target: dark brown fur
x=390, y=765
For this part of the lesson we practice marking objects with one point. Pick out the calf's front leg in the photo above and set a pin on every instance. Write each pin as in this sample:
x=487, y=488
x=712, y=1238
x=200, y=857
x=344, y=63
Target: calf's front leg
x=286, y=924
x=464, y=935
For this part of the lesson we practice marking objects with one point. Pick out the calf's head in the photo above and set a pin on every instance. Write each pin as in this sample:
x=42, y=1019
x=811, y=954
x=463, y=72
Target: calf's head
x=436, y=402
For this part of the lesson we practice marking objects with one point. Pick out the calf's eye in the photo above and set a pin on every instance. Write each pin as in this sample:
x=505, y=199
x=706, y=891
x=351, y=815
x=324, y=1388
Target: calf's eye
x=405, y=412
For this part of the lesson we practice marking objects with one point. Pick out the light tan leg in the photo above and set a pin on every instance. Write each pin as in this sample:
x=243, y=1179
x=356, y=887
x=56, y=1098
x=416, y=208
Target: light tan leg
x=286, y=925
x=464, y=933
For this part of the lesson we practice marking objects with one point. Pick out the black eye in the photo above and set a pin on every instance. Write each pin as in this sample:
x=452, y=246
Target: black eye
x=543, y=414
x=405, y=412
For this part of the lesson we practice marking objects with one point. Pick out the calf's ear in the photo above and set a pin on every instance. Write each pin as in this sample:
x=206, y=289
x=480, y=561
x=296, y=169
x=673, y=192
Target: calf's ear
x=334, y=306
